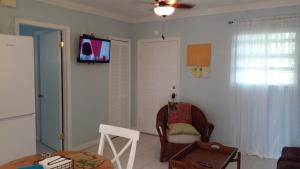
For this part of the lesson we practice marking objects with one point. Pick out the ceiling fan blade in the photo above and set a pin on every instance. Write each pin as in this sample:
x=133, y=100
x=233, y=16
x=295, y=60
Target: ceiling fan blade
x=143, y=2
x=162, y=3
x=183, y=5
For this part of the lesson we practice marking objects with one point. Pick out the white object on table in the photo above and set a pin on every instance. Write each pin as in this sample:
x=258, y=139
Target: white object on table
x=56, y=162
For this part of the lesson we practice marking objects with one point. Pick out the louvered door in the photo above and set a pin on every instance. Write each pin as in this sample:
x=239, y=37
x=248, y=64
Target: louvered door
x=119, y=84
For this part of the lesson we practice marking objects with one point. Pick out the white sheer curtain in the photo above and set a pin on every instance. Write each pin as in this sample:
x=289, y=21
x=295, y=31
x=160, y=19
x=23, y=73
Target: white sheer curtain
x=265, y=83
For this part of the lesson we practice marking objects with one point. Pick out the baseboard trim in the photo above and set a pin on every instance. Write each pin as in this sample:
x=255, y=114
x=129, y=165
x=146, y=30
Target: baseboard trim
x=86, y=145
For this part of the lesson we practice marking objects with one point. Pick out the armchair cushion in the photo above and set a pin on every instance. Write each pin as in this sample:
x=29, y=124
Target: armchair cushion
x=183, y=138
x=182, y=128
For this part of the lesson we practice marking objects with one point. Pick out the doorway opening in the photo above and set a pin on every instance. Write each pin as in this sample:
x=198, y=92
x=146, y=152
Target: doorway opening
x=48, y=87
x=52, y=83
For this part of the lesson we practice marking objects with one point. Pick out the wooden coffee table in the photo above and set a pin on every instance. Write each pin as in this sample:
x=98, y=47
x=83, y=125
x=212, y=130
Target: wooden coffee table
x=81, y=160
x=205, y=156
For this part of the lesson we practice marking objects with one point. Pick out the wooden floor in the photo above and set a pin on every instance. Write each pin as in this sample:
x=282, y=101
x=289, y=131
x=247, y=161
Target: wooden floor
x=147, y=156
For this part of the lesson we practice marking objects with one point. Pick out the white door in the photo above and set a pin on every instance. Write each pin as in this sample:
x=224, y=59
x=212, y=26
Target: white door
x=50, y=89
x=119, y=84
x=158, y=78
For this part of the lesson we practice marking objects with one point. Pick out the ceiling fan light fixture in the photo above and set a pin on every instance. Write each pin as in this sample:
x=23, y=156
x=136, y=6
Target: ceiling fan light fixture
x=164, y=10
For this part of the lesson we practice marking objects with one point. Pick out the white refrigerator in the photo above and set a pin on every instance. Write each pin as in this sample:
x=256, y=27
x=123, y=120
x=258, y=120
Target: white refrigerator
x=17, y=101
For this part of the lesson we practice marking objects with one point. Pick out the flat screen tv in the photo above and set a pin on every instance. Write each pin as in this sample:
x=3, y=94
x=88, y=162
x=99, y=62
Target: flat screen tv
x=93, y=50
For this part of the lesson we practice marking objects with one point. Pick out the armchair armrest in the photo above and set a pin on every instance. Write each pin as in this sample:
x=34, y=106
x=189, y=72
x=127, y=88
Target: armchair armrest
x=161, y=129
x=161, y=123
x=201, y=123
x=207, y=131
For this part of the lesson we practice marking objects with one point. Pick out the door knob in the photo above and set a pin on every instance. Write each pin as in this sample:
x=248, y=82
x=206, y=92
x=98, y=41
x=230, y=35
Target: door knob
x=41, y=96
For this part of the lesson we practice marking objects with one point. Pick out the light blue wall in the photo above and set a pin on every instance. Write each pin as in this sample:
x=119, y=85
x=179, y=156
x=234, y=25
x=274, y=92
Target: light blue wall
x=211, y=94
x=89, y=83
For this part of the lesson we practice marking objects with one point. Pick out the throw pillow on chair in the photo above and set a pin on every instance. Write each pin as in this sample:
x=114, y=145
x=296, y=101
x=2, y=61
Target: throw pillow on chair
x=182, y=133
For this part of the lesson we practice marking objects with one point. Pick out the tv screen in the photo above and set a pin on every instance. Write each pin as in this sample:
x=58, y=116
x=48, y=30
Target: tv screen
x=94, y=50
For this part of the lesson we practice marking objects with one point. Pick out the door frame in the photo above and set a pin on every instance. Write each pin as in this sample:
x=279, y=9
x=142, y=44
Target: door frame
x=66, y=73
x=139, y=42
x=109, y=77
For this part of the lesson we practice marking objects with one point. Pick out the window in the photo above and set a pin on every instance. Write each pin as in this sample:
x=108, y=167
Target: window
x=266, y=58
x=265, y=88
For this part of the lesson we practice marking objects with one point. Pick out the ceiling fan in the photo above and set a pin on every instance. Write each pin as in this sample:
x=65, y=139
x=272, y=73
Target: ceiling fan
x=167, y=7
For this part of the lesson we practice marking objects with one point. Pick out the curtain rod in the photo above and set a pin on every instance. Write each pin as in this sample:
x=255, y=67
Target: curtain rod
x=262, y=18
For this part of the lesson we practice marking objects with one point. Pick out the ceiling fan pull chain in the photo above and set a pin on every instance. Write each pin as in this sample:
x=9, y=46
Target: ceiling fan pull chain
x=163, y=30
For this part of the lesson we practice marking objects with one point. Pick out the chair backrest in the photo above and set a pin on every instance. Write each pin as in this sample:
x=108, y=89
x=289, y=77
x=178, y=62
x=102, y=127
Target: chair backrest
x=132, y=135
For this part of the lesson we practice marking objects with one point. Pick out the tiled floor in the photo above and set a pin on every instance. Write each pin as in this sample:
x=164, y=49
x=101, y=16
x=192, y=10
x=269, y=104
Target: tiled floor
x=147, y=155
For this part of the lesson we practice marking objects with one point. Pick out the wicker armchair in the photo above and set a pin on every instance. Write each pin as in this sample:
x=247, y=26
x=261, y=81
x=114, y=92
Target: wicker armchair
x=290, y=158
x=199, y=121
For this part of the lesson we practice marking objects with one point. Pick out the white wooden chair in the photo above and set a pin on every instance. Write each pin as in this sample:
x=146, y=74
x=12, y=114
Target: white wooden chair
x=132, y=135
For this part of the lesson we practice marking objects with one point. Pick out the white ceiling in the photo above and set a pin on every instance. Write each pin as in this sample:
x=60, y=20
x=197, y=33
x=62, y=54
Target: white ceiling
x=141, y=10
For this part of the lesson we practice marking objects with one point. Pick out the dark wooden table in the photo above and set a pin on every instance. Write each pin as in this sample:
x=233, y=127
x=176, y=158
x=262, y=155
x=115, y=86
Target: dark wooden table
x=88, y=160
x=205, y=156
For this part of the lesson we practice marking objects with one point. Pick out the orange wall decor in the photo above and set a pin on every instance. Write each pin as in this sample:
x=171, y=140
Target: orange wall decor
x=199, y=59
